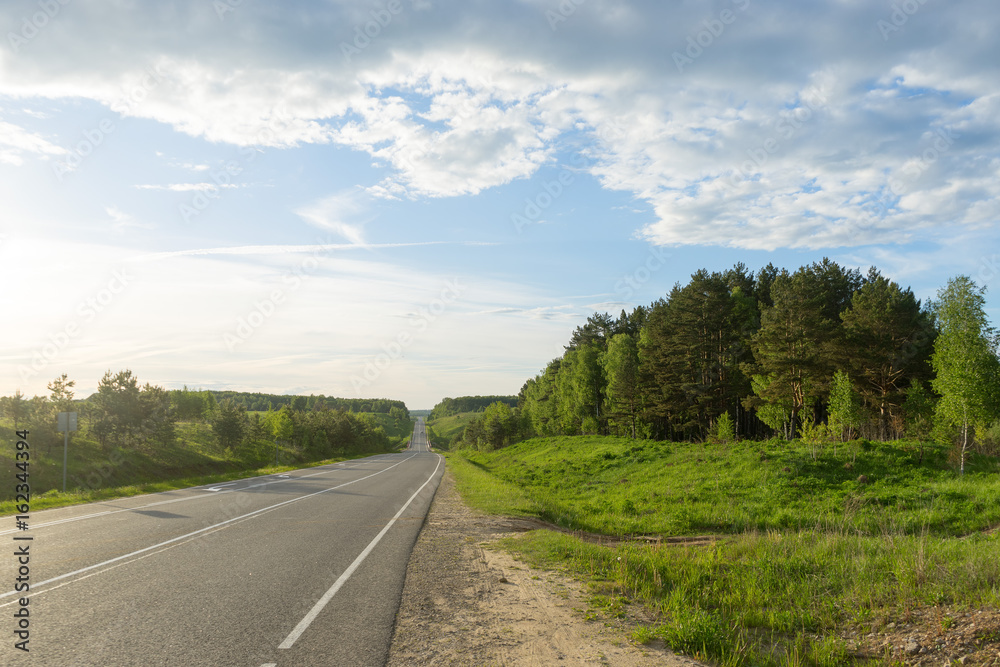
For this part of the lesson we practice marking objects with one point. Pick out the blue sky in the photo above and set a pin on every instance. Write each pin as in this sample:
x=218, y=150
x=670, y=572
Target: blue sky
x=263, y=197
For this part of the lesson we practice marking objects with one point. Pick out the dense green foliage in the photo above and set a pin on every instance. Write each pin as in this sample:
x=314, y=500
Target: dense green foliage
x=824, y=348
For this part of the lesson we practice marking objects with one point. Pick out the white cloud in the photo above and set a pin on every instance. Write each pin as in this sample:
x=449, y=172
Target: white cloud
x=121, y=221
x=784, y=130
x=337, y=213
x=15, y=141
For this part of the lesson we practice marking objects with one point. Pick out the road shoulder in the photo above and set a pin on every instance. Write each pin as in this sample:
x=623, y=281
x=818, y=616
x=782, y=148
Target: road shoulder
x=465, y=603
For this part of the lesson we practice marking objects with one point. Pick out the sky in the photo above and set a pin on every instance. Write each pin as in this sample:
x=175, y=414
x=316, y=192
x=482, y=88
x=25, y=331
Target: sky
x=415, y=199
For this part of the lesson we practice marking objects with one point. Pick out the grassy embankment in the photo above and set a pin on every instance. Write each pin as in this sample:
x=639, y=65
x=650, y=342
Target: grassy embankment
x=806, y=554
x=441, y=432
x=94, y=474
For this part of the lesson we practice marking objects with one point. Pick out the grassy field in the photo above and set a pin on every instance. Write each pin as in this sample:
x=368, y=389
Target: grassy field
x=441, y=432
x=803, y=555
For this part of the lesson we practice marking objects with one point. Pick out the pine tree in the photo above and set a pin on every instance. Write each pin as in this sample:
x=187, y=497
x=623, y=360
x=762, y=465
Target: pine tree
x=792, y=346
x=887, y=341
x=621, y=367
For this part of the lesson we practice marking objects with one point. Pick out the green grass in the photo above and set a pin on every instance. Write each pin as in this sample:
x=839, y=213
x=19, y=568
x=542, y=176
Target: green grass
x=95, y=473
x=488, y=493
x=618, y=486
x=804, y=551
x=442, y=432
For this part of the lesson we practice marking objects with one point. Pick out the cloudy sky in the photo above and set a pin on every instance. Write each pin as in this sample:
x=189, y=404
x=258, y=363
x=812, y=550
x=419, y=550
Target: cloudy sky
x=422, y=198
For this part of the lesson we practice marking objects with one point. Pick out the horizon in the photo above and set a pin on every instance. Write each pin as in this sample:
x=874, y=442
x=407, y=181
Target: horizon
x=239, y=196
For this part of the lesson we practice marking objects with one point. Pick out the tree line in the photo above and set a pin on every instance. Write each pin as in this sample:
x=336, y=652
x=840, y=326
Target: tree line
x=453, y=406
x=258, y=402
x=123, y=413
x=823, y=349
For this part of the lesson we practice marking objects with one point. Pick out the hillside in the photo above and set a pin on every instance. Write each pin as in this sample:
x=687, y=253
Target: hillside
x=93, y=471
x=444, y=430
x=193, y=456
x=454, y=406
x=765, y=552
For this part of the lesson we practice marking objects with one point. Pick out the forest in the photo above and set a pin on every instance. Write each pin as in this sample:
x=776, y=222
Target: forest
x=822, y=352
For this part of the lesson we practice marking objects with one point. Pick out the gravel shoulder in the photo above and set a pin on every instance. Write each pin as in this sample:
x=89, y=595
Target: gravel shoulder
x=465, y=603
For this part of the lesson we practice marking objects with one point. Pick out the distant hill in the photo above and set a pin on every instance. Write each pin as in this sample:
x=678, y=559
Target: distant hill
x=454, y=406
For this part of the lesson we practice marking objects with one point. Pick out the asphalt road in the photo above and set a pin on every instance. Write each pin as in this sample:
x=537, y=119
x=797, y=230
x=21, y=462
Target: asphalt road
x=299, y=569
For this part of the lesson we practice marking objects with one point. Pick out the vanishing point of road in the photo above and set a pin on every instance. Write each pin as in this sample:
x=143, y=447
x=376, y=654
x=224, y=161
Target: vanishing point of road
x=303, y=568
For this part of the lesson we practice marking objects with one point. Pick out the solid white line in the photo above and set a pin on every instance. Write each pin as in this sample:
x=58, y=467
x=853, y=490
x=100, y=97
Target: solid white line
x=202, y=530
x=318, y=607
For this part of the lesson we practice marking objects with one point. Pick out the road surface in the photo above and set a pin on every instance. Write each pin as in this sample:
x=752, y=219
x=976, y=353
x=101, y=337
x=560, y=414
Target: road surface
x=298, y=569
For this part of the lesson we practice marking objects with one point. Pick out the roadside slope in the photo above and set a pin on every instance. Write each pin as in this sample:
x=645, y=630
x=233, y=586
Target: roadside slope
x=467, y=603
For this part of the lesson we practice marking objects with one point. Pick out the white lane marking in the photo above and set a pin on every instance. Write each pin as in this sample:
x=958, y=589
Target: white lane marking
x=202, y=530
x=130, y=562
x=270, y=664
x=218, y=487
x=318, y=607
x=269, y=480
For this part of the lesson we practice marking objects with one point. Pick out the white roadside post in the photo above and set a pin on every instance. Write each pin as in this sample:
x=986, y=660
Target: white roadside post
x=67, y=423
